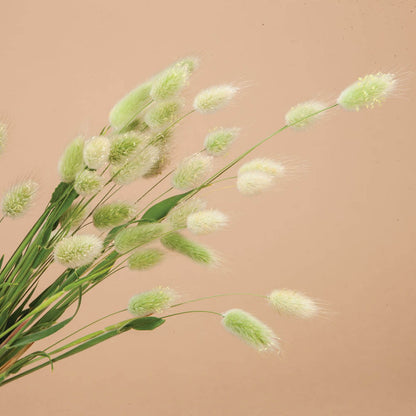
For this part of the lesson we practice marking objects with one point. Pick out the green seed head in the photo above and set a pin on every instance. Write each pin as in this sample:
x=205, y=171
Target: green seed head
x=214, y=98
x=72, y=161
x=19, y=199
x=162, y=113
x=170, y=82
x=113, y=214
x=191, y=172
x=178, y=216
x=96, y=152
x=138, y=166
x=134, y=237
x=88, y=183
x=153, y=301
x=73, y=217
x=219, y=140
x=124, y=146
x=303, y=115
x=127, y=109
x=78, y=250
x=200, y=254
x=248, y=328
x=145, y=259
x=291, y=303
x=368, y=91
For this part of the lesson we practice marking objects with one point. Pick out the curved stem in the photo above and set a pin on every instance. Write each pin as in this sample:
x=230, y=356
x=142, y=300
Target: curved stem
x=217, y=296
x=185, y=312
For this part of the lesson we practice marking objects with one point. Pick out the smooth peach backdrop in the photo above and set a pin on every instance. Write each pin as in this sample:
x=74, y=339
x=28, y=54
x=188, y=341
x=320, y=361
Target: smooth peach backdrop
x=343, y=230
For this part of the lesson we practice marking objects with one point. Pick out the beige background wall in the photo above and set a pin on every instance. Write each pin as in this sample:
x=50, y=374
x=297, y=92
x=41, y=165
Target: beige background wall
x=343, y=230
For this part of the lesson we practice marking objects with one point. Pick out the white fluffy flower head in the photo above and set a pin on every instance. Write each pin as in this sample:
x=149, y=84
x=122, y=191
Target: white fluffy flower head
x=214, y=98
x=191, y=172
x=78, y=250
x=254, y=182
x=291, y=303
x=206, y=221
x=368, y=91
x=268, y=166
x=304, y=114
x=96, y=152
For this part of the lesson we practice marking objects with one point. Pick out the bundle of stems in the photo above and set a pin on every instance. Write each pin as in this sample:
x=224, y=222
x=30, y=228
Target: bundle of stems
x=136, y=144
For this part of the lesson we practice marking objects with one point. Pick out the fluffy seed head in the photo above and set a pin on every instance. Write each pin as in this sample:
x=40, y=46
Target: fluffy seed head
x=162, y=113
x=191, y=63
x=127, y=109
x=219, y=140
x=96, y=152
x=19, y=199
x=367, y=91
x=268, y=166
x=88, y=183
x=207, y=221
x=214, y=98
x=178, y=216
x=162, y=161
x=200, y=254
x=3, y=135
x=291, y=303
x=152, y=301
x=303, y=115
x=113, y=214
x=248, y=328
x=124, y=146
x=253, y=183
x=191, y=172
x=72, y=160
x=73, y=216
x=170, y=82
x=138, y=166
x=78, y=250
x=145, y=259
x=134, y=237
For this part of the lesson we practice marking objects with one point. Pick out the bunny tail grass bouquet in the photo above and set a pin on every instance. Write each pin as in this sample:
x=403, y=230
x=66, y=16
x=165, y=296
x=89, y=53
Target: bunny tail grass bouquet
x=136, y=145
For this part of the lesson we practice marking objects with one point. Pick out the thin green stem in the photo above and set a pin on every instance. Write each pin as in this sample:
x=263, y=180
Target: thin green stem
x=217, y=296
x=84, y=327
x=185, y=312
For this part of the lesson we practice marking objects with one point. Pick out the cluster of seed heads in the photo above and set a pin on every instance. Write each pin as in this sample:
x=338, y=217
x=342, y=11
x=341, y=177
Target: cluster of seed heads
x=138, y=146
